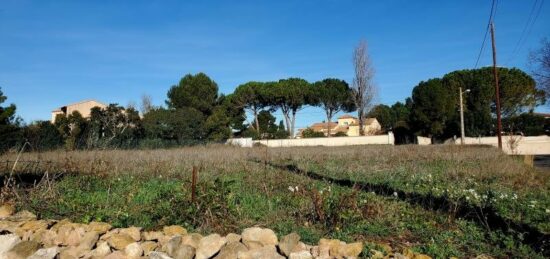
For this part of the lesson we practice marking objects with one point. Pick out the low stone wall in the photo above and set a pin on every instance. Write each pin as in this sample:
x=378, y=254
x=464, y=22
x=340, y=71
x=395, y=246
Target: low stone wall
x=331, y=142
x=513, y=145
x=24, y=236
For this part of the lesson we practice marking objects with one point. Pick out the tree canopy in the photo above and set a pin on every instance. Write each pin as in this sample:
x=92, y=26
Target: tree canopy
x=194, y=91
x=334, y=96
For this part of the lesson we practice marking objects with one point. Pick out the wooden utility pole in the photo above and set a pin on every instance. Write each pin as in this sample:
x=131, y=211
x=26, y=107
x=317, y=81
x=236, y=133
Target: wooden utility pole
x=497, y=90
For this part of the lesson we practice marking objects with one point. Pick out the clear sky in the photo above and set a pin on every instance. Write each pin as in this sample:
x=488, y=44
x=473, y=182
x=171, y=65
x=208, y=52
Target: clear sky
x=58, y=52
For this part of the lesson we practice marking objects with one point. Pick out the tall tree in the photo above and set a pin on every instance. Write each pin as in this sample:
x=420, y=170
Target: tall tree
x=384, y=115
x=290, y=95
x=8, y=124
x=146, y=104
x=540, y=60
x=333, y=95
x=251, y=97
x=194, y=91
x=363, y=83
x=183, y=125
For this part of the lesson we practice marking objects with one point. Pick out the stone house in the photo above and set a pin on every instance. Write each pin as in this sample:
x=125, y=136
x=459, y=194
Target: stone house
x=83, y=107
x=349, y=125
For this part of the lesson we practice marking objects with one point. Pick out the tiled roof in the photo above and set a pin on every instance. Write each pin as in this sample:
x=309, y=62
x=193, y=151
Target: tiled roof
x=347, y=116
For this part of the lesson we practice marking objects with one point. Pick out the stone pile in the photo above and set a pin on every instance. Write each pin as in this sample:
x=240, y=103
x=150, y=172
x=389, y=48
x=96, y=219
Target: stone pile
x=22, y=235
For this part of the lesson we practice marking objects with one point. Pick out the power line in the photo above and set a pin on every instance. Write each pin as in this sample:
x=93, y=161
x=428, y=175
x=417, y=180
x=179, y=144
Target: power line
x=491, y=17
x=526, y=29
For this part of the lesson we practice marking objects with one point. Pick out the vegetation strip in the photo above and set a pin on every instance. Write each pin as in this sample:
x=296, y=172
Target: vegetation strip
x=485, y=216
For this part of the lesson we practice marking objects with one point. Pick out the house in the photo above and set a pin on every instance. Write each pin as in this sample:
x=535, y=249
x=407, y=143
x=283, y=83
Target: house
x=83, y=107
x=348, y=125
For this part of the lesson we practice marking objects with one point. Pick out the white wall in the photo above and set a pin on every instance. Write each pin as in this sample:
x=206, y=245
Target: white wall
x=240, y=142
x=332, y=141
x=538, y=145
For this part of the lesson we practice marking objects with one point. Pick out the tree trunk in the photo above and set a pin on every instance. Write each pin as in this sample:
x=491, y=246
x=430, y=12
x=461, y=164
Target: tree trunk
x=257, y=122
x=287, y=121
x=361, y=124
x=329, y=119
x=293, y=123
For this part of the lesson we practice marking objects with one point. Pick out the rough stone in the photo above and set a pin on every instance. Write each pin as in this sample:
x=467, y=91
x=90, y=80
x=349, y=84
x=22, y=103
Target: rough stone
x=209, y=246
x=148, y=247
x=159, y=255
x=232, y=237
x=133, y=232
x=23, y=215
x=99, y=227
x=73, y=252
x=34, y=225
x=133, y=250
x=45, y=253
x=10, y=226
x=151, y=235
x=7, y=242
x=264, y=236
x=288, y=243
x=231, y=250
x=184, y=252
x=174, y=230
x=22, y=249
x=116, y=255
x=102, y=249
x=6, y=210
x=265, y=252
x=120, y=241
x=89, y=240
x=300, y=255
x=172, y=245
x=192, y=240
x=350, y=250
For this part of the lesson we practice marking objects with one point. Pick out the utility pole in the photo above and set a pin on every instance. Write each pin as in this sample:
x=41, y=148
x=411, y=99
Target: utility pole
x=497, y=90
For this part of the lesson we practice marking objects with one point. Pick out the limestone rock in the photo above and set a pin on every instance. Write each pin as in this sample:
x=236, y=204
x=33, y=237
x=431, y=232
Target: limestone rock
x=116, y=255
x=184, y=252
x=350, y=250
x=34, y=225
x=133, y=250
x=22, y=250
x=172, y=246
x=6, y=210
x=23, y=215
x=192, y=240
x=45, y=253
x=7, y=242
x=231, y=250
x=133, y=232
x=89, y=240
x=148, y=247
x=102, y=249
x=209, y=246
x=174, y=230
x=159, y=255
x=99, y=227
x=265, y=252
x=288, y=243
x=232, y=237
x=120, y=241
x=10, y=226
x=151, y=235
x=264, y=236
x=300, y=255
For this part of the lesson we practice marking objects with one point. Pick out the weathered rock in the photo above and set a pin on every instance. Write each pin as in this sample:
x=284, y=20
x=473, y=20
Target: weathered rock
x=184, y=252
x=300, y=255
x=89, y=240
x=133, y=232
x=102, y=249
x=73, y=252
x=288, y=243
x=330, y=245
x=265, y=252
x=148, y=247
x=192, y=240
x=133, y=250
x=22, y=250
x=6, y=210
x=378, y=255
x=7, y=242
x=209, y=246
x=99, y=227
x=264, y=236
x=45, y=253
x=423, y=256
x=23, y=215
x=350, y=250
x=174, y=230
x=116, y=255
x=231, y=250
x=172, y=245
x=232, y=237
x=120, y=241
x=399, y=256
x=69, y=234
x=10, y=226
x=159, y=255
x=151, y=235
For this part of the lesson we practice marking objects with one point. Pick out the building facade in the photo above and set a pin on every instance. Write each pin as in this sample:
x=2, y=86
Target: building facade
x=349, y=125
x=83, y=107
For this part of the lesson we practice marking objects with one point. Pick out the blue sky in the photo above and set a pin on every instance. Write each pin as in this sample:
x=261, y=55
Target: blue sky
x=58, y=52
